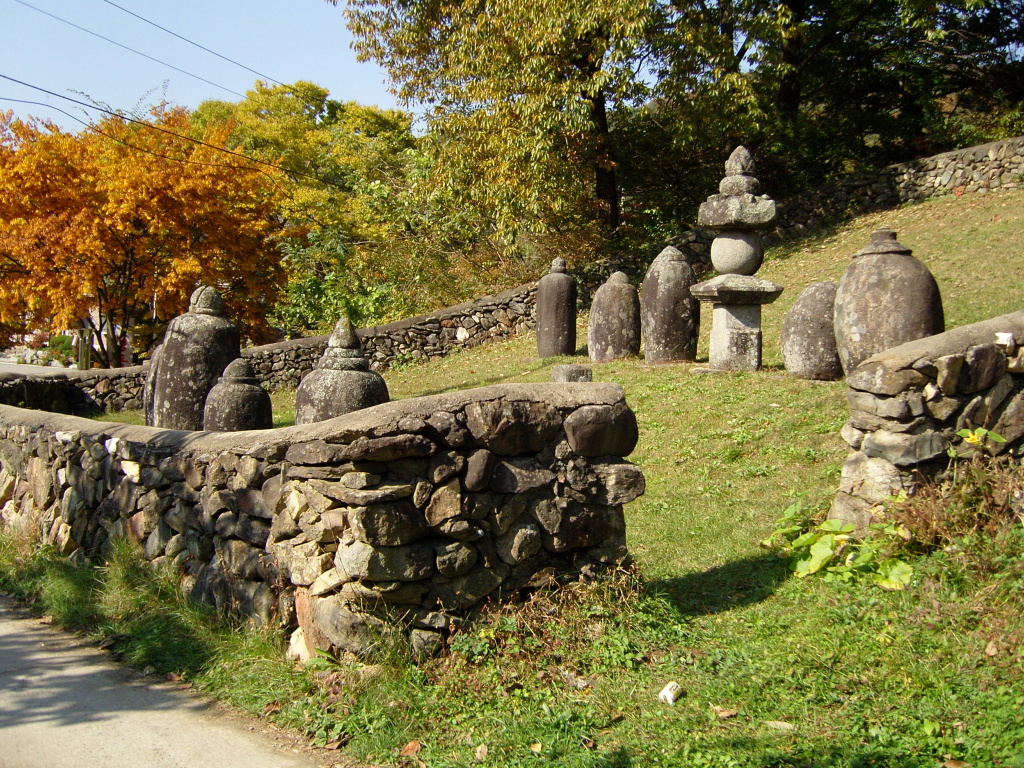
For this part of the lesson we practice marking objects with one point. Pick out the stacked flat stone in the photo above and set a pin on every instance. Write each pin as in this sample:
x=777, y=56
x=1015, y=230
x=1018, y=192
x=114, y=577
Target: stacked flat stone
x=196, y=349
x=808, y=337
x=670, y=315
x=342, y=381
x=885, y=298
x=614, y=329
x=556, y=312
x=238, y=402
x=736, y=295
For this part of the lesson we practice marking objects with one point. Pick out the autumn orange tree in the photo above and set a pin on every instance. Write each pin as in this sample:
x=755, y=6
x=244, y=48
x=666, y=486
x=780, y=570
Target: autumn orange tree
x=112, y=228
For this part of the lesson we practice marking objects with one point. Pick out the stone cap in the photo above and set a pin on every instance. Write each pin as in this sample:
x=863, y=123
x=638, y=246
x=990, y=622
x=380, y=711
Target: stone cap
x=206, y=301
x=671, y=253
x=239, y=371
x=883, y=240
x=736, y=212
x=557, y=265
x=737, y=289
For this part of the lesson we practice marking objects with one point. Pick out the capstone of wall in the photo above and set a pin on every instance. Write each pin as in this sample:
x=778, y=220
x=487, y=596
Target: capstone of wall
x=908, y=403
x=407, y=515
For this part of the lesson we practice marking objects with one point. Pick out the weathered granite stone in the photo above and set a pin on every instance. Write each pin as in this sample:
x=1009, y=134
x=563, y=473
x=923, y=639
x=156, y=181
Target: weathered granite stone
x=736, y=319
x=519, y=476
x=602, y=430
x=886, y=298
x=361, y=561
x=445, y=503
x=870, y=478
x=342, y=381
x=455, y=558
x=387, y=525
x=556, y=312
x=670, y=315
x=903, y=449
x=808, y=337
x=614, y=330
x=983, y=365
x=572, y=372
x=358, y=633
x=196, y=349
x=511, y=427
x=237, y=401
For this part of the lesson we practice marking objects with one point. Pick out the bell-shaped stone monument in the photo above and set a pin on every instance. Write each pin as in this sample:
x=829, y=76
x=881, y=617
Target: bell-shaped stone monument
x=237, y=402
x=885, y=298
x=196, y=349
x=808, y=338
x=669, y=313
x=342, y=381
x=556, y=312
x=736, y=296
x=614, y=329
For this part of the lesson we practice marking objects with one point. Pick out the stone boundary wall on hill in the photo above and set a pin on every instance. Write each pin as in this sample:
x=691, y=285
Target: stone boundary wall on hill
x=426, y=337
x=907, y=404
x=980, y=169
x=408, y=514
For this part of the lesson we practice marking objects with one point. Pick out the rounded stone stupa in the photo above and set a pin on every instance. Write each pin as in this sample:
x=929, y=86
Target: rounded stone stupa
x=342, y=381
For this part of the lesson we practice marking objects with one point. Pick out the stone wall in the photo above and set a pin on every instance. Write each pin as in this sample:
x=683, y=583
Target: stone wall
x=981, y=169
x=412, y=513
x=907, y=404
x=72, y=391
x=426, y=337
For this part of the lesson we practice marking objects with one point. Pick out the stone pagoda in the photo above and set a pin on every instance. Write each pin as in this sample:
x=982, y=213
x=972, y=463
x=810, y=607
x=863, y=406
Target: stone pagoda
x=739, y=215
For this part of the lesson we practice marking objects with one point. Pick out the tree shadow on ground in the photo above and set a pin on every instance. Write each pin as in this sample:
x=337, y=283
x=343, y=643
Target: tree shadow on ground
x=724, y=587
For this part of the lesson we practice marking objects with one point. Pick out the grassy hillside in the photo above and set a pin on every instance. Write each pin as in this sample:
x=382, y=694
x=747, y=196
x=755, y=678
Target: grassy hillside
x=775, y=670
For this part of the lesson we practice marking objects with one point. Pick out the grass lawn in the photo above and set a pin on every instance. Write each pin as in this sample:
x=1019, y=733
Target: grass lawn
x=774, y=670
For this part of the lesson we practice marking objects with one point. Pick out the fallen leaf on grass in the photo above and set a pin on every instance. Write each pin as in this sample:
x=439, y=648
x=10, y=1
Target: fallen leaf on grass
x=272, y=707
x=536, y=747
x=411, y=749
x=588, y=743
x=481, y=753
x=991, y=649
x=723, y=713
x=780, y=725
x=954, y=764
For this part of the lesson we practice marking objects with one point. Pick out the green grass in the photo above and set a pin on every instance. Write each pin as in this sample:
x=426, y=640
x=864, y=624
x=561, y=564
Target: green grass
x=817, y=674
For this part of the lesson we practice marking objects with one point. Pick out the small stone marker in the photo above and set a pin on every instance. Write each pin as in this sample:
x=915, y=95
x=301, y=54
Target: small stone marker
x=196, y=349
x=885, y=298
x=670, y=314
x=569, y=373
x=614, y=330
x=342, y=381
x=808, y=336
x=238, y=402
x=556, y=312
x=736, y=295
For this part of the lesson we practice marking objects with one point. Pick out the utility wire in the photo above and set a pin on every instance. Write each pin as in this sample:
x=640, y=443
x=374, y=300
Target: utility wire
x=192, y=42
x=119, y=45
x=113, y=138
x=171, y=133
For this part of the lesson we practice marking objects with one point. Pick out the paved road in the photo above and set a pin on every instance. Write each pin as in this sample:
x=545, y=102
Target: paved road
x=64, y=704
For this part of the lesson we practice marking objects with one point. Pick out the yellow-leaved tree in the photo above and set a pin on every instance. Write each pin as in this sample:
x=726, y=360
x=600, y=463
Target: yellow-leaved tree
x=112, y=228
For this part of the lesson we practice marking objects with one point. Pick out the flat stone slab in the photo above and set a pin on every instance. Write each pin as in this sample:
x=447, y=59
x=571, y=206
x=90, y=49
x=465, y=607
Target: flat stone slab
x=737, y=289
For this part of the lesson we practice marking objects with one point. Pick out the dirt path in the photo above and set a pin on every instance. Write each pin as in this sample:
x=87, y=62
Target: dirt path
x=63, y=703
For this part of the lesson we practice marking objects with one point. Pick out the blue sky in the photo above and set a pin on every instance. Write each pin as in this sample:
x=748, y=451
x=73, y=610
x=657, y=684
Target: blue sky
x=286, y=40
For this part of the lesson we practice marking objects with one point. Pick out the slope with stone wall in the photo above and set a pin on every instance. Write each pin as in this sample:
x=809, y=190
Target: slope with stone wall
x=413, y=512
x=908, y=403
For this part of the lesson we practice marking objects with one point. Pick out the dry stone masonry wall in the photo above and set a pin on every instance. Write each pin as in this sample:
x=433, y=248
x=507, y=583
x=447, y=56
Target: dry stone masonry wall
x=426, y=337
x=982, y=169
x=408, y=514
x=908, y=403
x=71, y=391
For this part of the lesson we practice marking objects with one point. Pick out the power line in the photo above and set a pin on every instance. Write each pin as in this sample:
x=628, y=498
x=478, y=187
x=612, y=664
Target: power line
x=113, y=138
x=143, y=123
x=119, y=45
x=192, y=42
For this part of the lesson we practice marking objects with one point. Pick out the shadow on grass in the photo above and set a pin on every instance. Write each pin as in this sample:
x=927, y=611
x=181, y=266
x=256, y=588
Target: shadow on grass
x=733, y=585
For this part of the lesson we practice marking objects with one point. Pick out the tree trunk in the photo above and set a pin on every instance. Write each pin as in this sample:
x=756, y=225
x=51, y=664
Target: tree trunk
x=787, y=99
x=606, y=186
